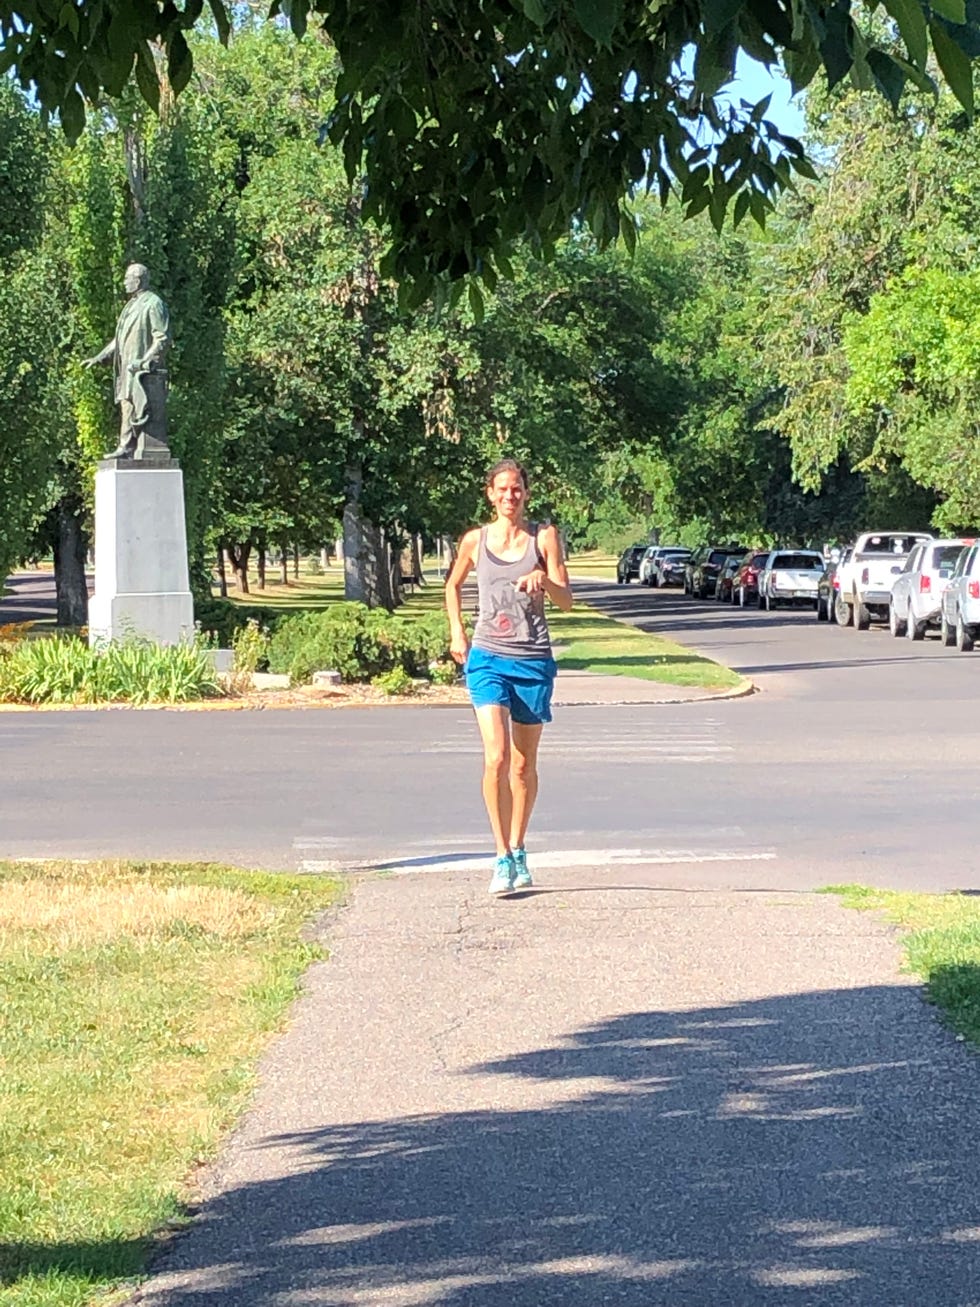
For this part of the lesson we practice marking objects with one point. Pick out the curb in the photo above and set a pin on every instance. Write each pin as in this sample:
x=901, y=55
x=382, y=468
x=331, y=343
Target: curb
x=737, y=692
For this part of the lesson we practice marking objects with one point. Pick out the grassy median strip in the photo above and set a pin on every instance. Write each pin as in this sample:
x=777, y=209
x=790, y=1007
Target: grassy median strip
x=592, y=642
x=941, y=937
x=134, y=1002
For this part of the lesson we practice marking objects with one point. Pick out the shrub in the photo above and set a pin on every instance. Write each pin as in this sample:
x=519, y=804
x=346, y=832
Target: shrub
x=221, y=618
x=66, y=670
x=397, y=681
x=250, y=646
x=358, y=642
x=444, y=673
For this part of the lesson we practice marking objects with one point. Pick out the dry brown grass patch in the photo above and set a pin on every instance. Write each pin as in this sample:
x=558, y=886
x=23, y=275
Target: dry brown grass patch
x=70, y=915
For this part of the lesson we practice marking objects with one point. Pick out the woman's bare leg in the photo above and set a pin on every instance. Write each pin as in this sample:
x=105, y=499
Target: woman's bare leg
x=523, y=779
x=494, y=723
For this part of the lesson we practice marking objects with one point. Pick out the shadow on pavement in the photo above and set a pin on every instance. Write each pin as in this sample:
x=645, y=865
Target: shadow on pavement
x=806, y=1149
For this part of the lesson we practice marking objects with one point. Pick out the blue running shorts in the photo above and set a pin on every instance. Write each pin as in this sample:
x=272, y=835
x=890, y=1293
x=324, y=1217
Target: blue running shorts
x=523, y=685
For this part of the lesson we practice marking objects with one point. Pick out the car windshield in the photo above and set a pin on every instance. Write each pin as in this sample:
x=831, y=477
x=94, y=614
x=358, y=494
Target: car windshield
x=718, y=556
x=890, y=544
x=799, y=562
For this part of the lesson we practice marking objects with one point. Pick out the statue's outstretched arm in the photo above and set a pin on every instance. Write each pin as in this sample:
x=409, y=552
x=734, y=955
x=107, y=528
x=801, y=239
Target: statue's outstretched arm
x=103, y=356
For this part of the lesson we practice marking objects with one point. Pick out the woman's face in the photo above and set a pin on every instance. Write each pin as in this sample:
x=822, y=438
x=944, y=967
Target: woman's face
x=507, y=494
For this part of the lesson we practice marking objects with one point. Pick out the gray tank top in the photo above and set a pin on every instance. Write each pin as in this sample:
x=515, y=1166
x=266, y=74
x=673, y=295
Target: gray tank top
x=510, y=622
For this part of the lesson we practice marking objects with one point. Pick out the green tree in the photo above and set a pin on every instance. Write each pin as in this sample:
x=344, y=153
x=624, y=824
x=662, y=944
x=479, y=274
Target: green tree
x=30, y=331
x=480, y=123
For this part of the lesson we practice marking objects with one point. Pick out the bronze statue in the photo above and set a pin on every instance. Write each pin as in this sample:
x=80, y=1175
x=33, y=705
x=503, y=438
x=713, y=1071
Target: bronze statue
x=138, y=351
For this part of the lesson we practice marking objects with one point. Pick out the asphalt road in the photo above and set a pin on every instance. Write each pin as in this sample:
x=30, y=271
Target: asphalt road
x=856, y=761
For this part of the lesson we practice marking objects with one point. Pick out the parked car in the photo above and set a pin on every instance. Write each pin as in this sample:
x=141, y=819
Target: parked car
x=959, y=608
x=670, y=567
x=704, y=574
x=648, y=563
x=918, y=589
x=828, y=586
x=725, y=587
x=628, y=566
x=746, y=584
x=865, y=582
x=790, y=576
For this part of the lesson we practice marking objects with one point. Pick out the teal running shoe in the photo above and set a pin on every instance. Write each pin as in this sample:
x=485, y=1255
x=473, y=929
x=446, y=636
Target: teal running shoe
x=522, y=877
x=503, y=875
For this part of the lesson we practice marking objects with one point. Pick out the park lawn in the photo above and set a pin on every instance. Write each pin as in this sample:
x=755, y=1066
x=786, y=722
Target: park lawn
x=134, y=1002
x=589, y=641
x=593, y=565
x=309, y=591
x=941, y=939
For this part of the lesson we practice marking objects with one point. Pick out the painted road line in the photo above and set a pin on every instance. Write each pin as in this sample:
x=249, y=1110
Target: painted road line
x=564, y=858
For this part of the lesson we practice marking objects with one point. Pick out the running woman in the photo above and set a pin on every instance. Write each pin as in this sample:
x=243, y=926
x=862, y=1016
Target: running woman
x=510, y=670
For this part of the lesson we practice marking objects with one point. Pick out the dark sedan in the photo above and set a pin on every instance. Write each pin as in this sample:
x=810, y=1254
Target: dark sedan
x=670, y=566
x=628, y=567
x=704, y=575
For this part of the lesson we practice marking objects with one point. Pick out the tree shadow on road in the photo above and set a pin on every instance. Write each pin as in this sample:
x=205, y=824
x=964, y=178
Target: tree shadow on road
x=812, y=1149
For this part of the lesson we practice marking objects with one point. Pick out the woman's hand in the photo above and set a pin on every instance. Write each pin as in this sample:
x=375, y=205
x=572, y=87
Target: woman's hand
x=531, y=583
x=459, y=646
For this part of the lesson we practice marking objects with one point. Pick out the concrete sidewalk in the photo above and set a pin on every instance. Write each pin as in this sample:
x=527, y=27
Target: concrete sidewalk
x=579, y=689
x=597, y=1092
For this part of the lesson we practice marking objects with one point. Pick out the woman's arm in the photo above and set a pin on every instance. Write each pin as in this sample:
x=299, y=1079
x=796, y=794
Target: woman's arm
x=553, y=577
x=465, y=562
x=556, y=584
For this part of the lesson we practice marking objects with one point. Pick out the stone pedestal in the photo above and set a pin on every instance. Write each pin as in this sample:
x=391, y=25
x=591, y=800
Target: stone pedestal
x=142, y=587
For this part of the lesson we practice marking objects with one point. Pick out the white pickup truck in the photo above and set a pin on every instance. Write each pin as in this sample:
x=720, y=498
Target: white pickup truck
x=866, y=579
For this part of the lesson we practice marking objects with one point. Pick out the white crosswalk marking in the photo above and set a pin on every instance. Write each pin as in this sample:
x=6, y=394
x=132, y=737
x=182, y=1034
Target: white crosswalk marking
x=559, y=858
x=657, y=742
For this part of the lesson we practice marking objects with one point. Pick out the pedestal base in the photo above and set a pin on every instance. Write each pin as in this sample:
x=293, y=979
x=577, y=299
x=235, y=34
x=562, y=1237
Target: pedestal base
x=142, y=587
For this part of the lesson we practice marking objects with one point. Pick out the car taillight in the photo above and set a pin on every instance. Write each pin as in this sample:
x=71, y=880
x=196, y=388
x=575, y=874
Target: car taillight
x=974, y=589
x=925, y=584
x=864, y=576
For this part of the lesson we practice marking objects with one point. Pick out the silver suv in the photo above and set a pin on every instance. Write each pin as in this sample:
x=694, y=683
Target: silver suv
x=959, y=613
x=918, y=590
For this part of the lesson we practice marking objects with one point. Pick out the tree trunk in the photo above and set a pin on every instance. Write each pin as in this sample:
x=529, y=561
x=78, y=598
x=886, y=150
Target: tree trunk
x=295, y=562
x=70, y=549
x=284, y=563
x=260, y=565
x=393, y=558
x=361, y=562
x=417, y=560
x=239, y=560
x=222, y=574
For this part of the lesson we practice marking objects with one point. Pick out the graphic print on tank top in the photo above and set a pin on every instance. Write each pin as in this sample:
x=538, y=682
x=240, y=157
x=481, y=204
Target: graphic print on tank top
x=509, y=609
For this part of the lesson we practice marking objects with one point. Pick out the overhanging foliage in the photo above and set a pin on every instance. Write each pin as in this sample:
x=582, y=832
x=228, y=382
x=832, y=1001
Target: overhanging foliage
x=477, y=123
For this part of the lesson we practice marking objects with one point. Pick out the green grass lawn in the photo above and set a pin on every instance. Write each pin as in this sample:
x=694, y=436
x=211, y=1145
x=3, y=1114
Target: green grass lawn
x=589, y=641
x=134, y=1002
x=594, y=565
x=941, y=939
